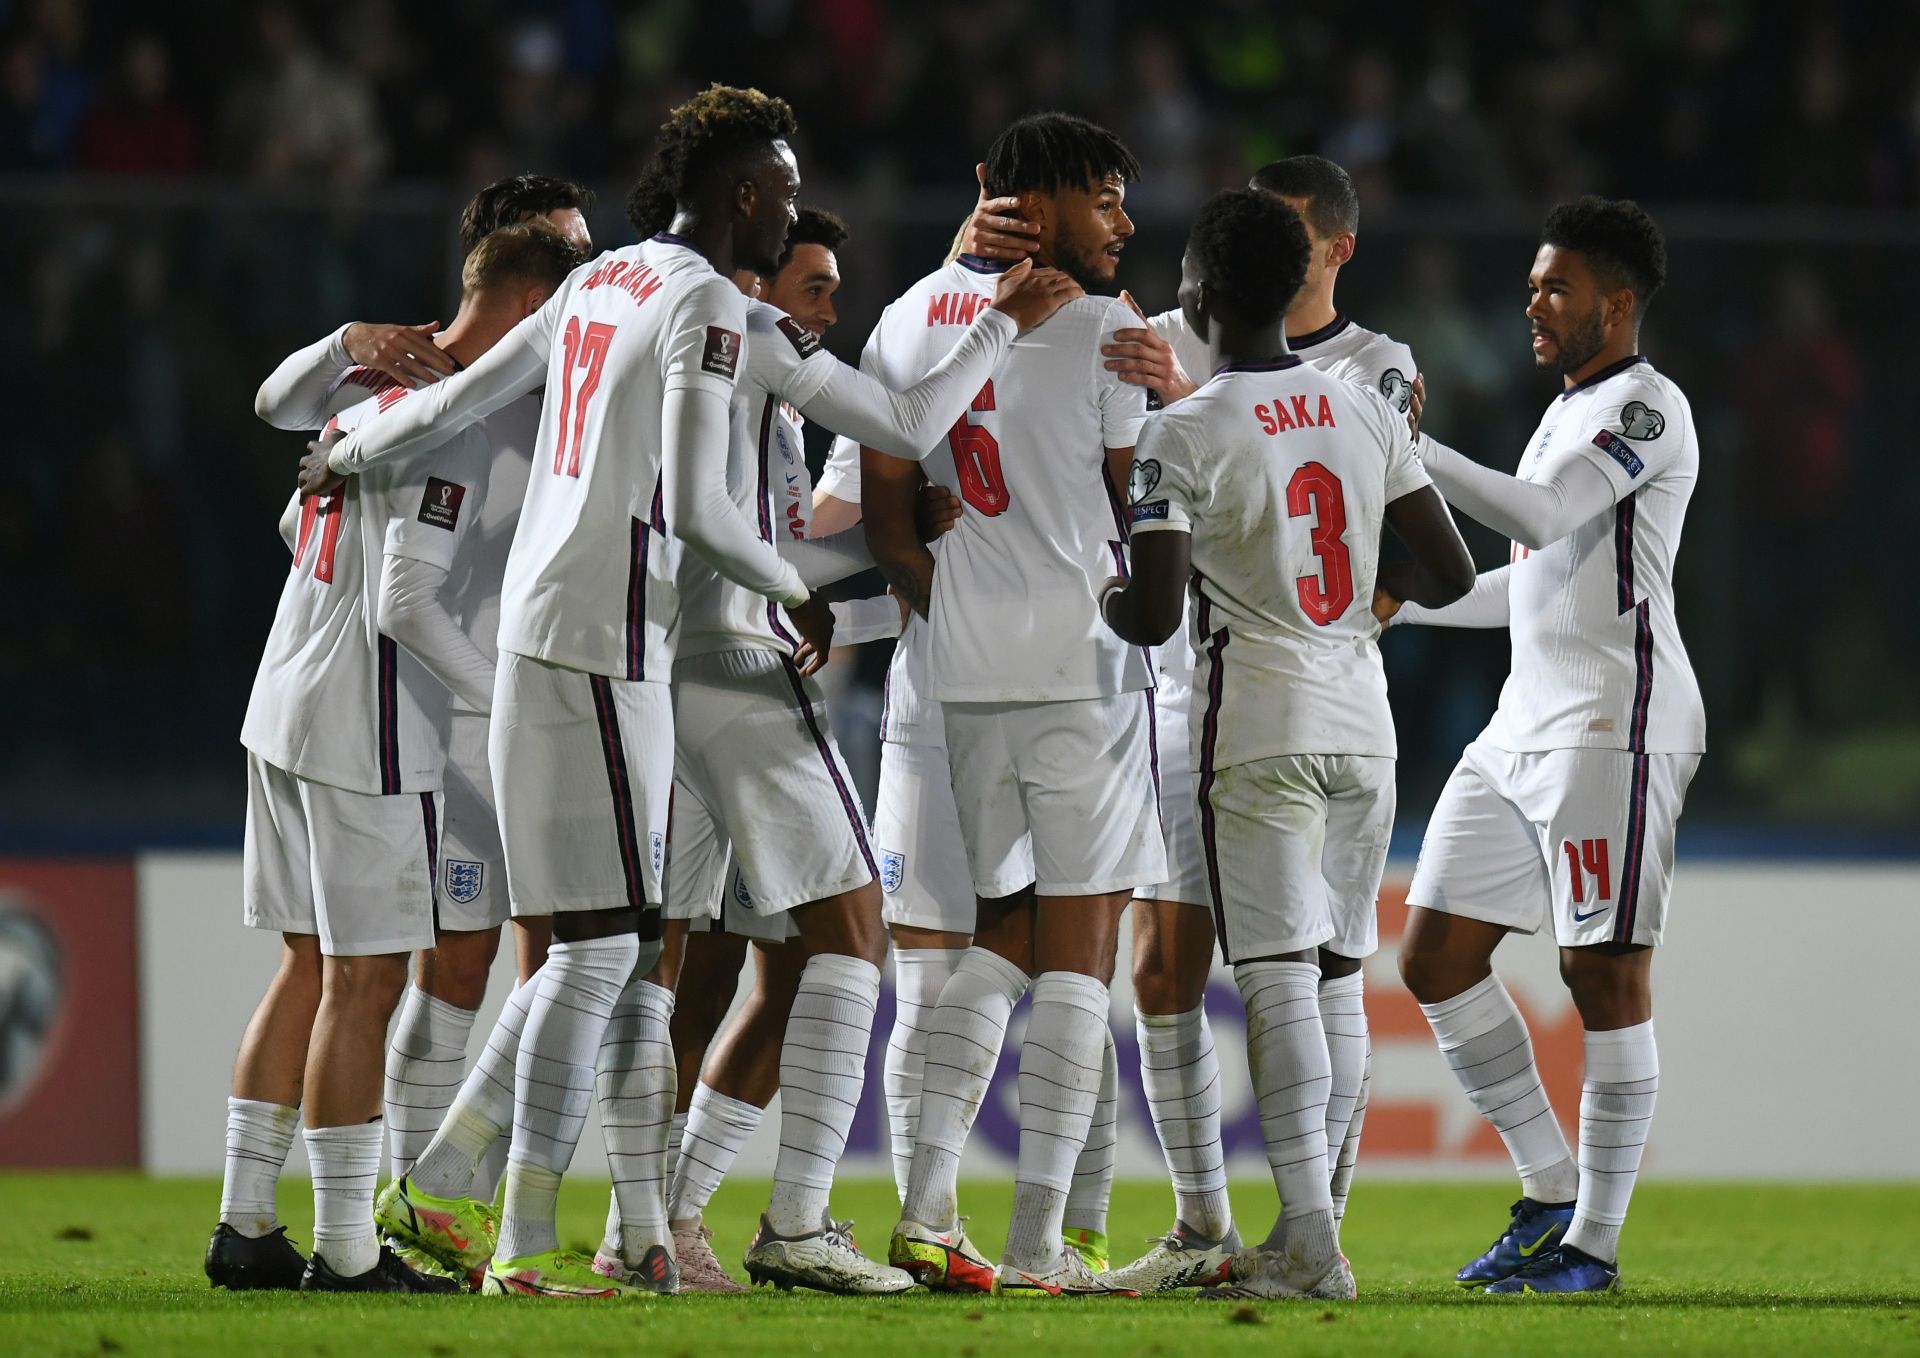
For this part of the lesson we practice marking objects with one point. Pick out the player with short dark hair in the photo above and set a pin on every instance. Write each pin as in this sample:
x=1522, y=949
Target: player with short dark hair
x=1563, y=811
x=1266, y=490
x=518, y=197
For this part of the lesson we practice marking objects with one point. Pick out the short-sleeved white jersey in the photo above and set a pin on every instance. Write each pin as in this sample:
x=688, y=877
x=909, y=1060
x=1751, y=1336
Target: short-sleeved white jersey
x=1339, y=348
x=334, y=700
x=785, y=366
x=1282, y=474
x=590, y=582
x=1597, y=658
x=1014, y=615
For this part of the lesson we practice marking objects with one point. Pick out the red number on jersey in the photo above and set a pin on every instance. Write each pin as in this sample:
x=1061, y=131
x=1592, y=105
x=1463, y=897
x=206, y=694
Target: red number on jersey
x=583, y=350
x=976, y=456
x=1317, y=491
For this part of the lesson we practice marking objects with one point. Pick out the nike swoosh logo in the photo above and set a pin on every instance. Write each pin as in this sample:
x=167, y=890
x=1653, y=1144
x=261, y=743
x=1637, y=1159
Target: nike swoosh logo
x=1528, y=1251
x=1579, y=918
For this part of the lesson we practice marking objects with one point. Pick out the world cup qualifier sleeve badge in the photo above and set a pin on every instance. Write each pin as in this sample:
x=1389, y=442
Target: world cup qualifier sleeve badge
x=464, y=879
x=893, y=871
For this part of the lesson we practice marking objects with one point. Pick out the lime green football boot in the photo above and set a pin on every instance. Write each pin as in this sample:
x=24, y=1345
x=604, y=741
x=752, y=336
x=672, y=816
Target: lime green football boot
x=458, y=1232
x=1091, y=1246
x=560, y=1274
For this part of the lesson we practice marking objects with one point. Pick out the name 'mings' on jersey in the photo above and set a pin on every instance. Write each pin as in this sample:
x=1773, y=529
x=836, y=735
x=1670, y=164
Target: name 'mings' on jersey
x=1282, y=474
x=1014, y=616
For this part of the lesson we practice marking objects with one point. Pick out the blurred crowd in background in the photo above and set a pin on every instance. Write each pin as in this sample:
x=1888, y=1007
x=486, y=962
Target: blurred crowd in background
x=193, y=190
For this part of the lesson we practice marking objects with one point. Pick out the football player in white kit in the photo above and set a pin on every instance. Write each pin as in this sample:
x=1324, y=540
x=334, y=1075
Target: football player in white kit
x=754, y=753
x=345, y=734
x=1048, y=717
x=1266, y=490
x=426, y=1055
x=1562, y=813
x=638, y=352
x=1172, y=928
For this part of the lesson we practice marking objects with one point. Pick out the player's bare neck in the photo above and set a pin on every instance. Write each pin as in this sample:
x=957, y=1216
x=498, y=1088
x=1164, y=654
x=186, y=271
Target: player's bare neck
x=1238, y=344
x=709, y=236
x=1311, y=311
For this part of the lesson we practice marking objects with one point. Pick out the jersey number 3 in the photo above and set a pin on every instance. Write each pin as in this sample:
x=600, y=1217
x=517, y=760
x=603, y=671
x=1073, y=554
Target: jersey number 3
x=581, y=349
x=1317, y=491
x=976, y=458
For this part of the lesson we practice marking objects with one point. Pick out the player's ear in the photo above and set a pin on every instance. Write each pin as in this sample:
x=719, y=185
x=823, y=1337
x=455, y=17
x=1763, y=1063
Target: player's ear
x=1034, y=207
x=536, y=297
x=1620, y=307
x=1342, y=247
x=746, y=197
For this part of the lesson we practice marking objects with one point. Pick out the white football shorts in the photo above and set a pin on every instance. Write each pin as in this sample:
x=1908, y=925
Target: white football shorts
x=473, y=868
x=1186, y=881
x=756, y=750
x=1074, y=780
x=354, y=868
x=924, y=877
x=1583, y=838
x=704, y=884
x=1295, y=846
x=582, y=774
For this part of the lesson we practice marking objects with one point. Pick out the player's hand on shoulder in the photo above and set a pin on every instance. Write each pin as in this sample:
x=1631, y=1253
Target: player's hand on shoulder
x=1384, y=606
x=993, y=231
x=316, y=476
x=935, y=510
x=1416, y=403
x=1029, y=295
x=405, y=353
x=814, y=621
x=1140, y=356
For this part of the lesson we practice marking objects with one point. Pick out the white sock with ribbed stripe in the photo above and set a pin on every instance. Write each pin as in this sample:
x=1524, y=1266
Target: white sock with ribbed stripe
x=1616, y=1113
x=823, y=1066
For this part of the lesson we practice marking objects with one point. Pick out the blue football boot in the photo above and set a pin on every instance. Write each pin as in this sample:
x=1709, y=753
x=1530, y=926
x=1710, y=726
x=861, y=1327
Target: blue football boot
x=1561, y=1269
x=1536, y=1227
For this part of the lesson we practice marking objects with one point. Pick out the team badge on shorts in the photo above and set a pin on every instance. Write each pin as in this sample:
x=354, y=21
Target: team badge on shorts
x=893, y=870
x=659, y=843
x=740, y=891
x=464, y=880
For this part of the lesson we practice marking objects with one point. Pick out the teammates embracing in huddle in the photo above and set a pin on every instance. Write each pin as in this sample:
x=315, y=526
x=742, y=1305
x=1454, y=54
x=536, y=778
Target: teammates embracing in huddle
x=546, y=651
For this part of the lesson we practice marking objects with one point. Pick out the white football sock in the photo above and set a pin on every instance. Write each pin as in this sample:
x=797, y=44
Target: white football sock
x=1616, y=1111
x=492, y=1166
x=1287, y=1054
x=1350, y=1148
x=1092, y=1191
x=482, y=1112
x=676, y=1133
x=1343, y=1013
x=425, y=1063
x=964, y=1038
x=553, y=1081
x=259, y=1135
x=919, y=974
x=636, y=1089
x=718, y=1128
x=1485, y=1041
x=823, y=1066
x=346, y=1168
x=1181, y=1073
x=1060, y=1070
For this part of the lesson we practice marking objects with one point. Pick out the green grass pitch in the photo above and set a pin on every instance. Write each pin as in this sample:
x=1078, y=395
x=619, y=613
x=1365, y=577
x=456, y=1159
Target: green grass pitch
x=110, y=1264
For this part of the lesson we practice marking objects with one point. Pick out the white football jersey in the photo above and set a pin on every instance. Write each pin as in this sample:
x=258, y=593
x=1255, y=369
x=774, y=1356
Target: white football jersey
x=334, y=700
x=590, y=582
x=1013, y=616
x=472, y=592
x=1597, y=658
x=1341, y=349
x=785, y=366
x=1282, y=474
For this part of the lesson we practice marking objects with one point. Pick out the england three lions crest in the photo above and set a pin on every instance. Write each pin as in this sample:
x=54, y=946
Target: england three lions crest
x=893, y=870
x=464, y=880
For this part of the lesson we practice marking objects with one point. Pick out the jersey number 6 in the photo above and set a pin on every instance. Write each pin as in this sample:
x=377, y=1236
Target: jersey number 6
x=976, y=457
x=1317, y=491
x=581, y=350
